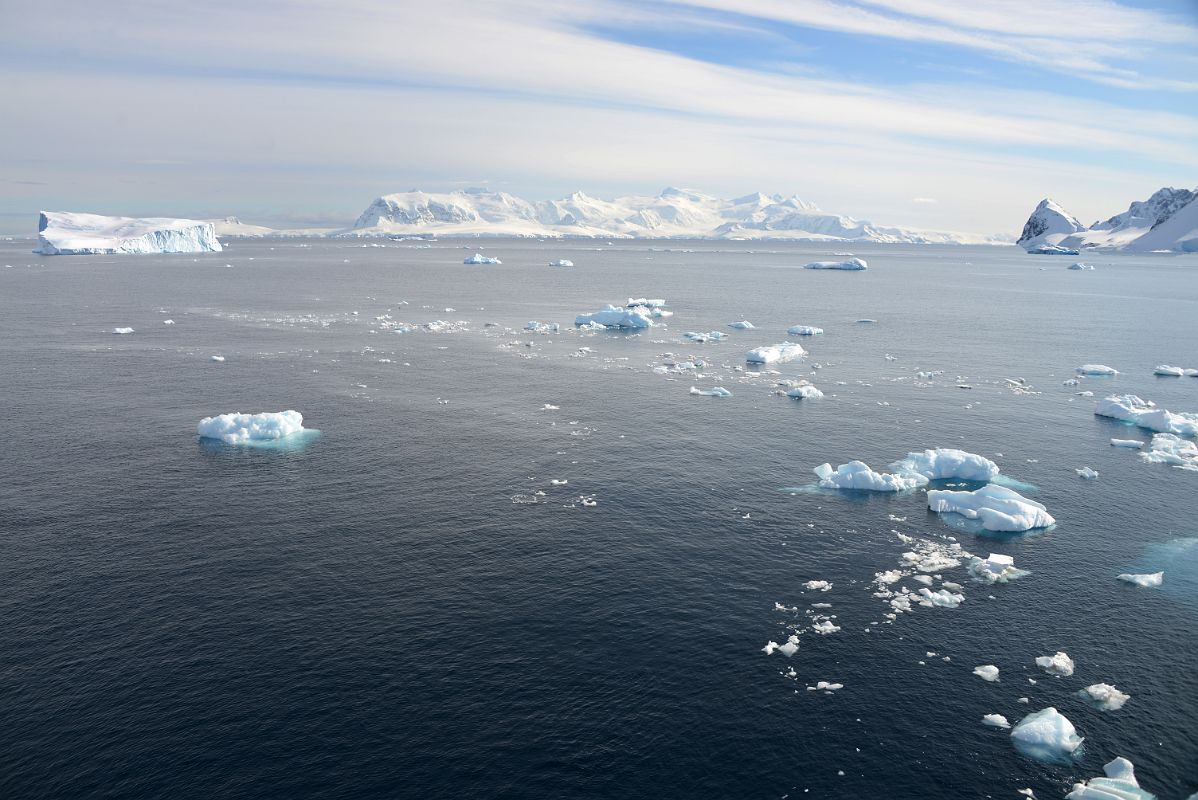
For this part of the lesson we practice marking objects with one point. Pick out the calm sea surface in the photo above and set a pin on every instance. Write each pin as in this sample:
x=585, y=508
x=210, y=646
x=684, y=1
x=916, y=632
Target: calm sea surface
x=406, y=606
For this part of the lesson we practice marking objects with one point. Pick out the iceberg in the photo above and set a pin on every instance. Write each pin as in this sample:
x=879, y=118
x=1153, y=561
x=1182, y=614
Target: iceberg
x=998, y=508
x=853, y=264
x=646, y=302
x=62, y=233
x=1081, y=265
x=479, y=258
x=1089, y=473
x=616, y=317
x=1174, y=372
x=1143, y=579
x=987, y=672
x=561, y=262
x=1052, y=250
x=818, y=585
x=804, y=391
x=743, y=325
x=995, y=568
x=120, y=331
x=857, y=475
x=775, y=353
x=715, y=391
x=1059, y=664
x=711, y=336
x=804, y=330
x=1145, y=414
x=1104, y=697
x=1119, y=784
x=946, y=463
x=1165, y=448
x=995, y=721
x=237, y=428
x=1130, y=444
x=941, y=598
x=541, y=327
x=1096, y=369
x=1046, y=735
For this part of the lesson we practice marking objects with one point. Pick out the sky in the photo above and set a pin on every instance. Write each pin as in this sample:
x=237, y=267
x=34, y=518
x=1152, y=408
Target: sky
x=924, y=113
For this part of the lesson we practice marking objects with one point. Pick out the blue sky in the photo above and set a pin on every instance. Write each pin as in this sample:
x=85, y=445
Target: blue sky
x=927, y=113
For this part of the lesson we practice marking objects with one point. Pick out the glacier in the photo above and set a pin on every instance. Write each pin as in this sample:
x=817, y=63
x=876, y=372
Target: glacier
x=62, y=233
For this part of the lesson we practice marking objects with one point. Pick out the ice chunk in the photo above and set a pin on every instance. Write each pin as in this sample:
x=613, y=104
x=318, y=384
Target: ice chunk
x=804, y=330
x=790, y=646
x=1144, y=579
x=542, y=327
x=122, y=330
x=1166, y=370
x=646, y=302
x=1119, y=784
x=858, y=475
x=995, y=721
x=711, y=336
x=1096, y=369
x=1104, y=697
x=1145, y=414
x=168, y=322
x=825, y=627
x=218, y=359
x=561, y=262
x=65, y=233
x=743, y=325
x=1046, y=735
x=942, y=598
x=850, y=264
x=997, y=507
x=1087, y=473
x=995, y=568
x=1059, y=664
x=987, y=672
x=946, y=463
x=1052, y=250
x=715, y=391
x=1081, y=265
x=775, y=353
x=1165, y=448
x=237, y=428
x=615, y=317
x=804, y=391
x=479, y=258
x=822, y=586
x=825, y=686
x=1131, y=444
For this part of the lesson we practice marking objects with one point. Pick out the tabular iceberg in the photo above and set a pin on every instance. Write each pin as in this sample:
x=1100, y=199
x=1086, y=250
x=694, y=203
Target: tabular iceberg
x=1119, y=784
x=237, y=428
x=615, y=317
x=64, y=233
x=858, y=475
x=946, y=463
x=775, y=353
x=1144, y=413
x=852, y=264
x=998, y=508
x=1096, y=369
x=1046, y=735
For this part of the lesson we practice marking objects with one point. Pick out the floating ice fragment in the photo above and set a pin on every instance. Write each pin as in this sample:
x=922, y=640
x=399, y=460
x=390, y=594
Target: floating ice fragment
x=1165, y=448
x=987, y=672
x=804, y=330
x=1145, y=414
x=775, y=353
x=1046, y=735
x=217, y=358
x=825, y=686
x=997, y=507
x=804, y=391
x=1096, y=369
x=561, y=262
x=1081, y=265
x=850, y=264
x=858, y=475
x=995, y=721
x=1145, y=580
x=941, y=598
x=790, y=646
x=615, y=317
x=743, y=325
x=946, y=463
x=1131, y=444
x=711, y=336
x=479, y=258
x=122, y=330
x=1104, y=697
x=715, y=391
x=646, y=302
x=995, y=568
x=1119, y=784
x=67, y=233
x=168, y=322
x=825, y=627
x=822, y=586
x=542, y=327
x=237, y=428
x=1168, y=371
x=1059, y=664
x=1087, y=473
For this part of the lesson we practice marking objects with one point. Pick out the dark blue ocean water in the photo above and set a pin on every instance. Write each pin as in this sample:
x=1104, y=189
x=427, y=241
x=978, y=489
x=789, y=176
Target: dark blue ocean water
x=371, y=615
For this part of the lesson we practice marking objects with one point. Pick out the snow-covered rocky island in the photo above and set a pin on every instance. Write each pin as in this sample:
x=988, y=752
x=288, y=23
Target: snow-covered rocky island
x=1167, y=221
x=62, y=233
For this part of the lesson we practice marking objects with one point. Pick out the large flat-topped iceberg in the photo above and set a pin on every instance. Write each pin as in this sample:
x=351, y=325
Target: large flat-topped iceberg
x=238, y=428
x=62, y=233
x=775, y=353
x=946, y=463
x=1145, y=414
x=997, y=507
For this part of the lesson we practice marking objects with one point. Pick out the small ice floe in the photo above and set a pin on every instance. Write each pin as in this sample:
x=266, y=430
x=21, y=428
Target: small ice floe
x=561, y=262
x=646, y=302
x=775, y=353
x=1130, y=444
x=1087, y=473
x=542, y=327
x=995, y=568
x=237, y=428
x=1168, y=371
x=1059, y=664
x=168, y=322
x=1145, y=580
x=1104, y=697
x=802, y=390
x=825, y=686
x=1046, y=735
x=946, y=463
x=710, y=336
x=804, y=330
x=121, y=331
x=1081, y=265
x=997, y=507
x=1145, y=414
x=1052, y=250
x=217, y=359
x=941, y=598
x=615, y=317
x=987, y=672
x=821, y=586
x=787, y=648
x=1119, y=784
x=867, y=321
x=995, y=721
x=1096, y=369
x=479, y=258
x=556, y=482
x=851, y=264
x=743, y=325
x=588, y=502
x=550, y=407
x=1166, y=448
x=715, y=391
x=825, y=627
x=858, y=475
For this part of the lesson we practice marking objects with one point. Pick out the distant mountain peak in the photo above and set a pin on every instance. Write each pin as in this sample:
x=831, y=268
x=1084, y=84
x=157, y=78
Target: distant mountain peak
x=1051, y=224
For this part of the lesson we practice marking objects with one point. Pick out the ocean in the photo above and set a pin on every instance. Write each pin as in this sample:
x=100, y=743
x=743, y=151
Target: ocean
x=407, y=605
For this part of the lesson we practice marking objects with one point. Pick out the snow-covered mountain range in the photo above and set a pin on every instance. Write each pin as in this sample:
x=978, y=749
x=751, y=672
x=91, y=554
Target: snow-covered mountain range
x=673, y=214
x=1166, y=221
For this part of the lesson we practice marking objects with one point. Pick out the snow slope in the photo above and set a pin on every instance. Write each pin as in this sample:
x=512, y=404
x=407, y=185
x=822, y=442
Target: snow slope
x=66, y=233
x=1168, y=220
